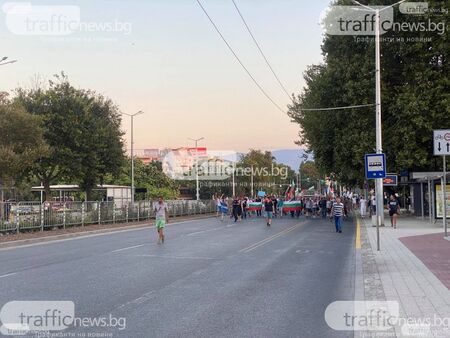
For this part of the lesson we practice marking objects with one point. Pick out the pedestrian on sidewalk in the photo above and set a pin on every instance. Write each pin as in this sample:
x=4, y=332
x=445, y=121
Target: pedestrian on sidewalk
x=338, y=212
x=162, y=217
x=363, y=207
x=268, y=208
x=394, y=210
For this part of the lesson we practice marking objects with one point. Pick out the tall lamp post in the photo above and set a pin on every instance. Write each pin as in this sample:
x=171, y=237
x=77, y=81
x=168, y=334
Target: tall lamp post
x=379, y=143
x=132, y=151
x=196, y=165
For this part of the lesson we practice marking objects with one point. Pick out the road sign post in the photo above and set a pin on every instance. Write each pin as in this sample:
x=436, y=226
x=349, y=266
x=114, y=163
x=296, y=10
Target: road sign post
x=375, y=168
x=441, y=143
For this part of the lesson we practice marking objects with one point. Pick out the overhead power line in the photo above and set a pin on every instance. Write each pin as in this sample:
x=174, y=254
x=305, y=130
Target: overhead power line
x=339, y=108
x=261, y=51
x=239, y=60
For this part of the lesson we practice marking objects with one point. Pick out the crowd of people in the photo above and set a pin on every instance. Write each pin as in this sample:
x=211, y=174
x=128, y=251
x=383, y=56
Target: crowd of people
x=243, y=207
x=332, y=207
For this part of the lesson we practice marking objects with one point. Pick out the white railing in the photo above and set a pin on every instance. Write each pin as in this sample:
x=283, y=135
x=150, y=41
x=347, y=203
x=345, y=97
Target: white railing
x=18, y=216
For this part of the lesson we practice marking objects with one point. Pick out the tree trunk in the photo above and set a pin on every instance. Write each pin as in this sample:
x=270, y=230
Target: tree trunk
x=47, y=193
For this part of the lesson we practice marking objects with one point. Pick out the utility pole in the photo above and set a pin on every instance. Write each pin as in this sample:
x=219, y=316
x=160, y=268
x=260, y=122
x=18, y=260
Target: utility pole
x=196, y=166
x=251, y=183
x=132, y=151
x=379, y=143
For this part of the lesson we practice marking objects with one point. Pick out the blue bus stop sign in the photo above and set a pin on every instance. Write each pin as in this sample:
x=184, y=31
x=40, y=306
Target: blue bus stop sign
x=375, y=165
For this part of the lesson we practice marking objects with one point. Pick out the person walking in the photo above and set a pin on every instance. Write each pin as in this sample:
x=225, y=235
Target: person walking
x=363, y=207
x=308, y=207
x=162, y=217
x=258, y=211
x=218, y=205
x=268, y=208
x=244, y=207
x=223, y=207
x=394, y=210
x=323, y=207
x=329, y=206
x=338, y=212
x=236, y=208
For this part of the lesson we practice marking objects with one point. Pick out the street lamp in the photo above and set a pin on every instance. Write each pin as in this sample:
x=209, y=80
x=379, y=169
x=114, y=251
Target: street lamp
x=132, y=152
x=4, y=62
x=379, y=143
x=302, y=158
x=196, y=164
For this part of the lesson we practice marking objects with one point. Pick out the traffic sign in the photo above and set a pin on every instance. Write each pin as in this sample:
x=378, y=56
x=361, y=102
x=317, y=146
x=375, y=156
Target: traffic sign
x=375, y=165
x=391, y=180
x=441, y=142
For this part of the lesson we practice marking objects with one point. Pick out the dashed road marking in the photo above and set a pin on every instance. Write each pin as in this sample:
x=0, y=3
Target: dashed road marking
x=177, y=257
x=128, y=248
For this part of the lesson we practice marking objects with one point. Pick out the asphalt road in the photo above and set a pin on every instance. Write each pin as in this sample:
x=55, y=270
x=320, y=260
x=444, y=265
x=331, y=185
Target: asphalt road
x=210, y=278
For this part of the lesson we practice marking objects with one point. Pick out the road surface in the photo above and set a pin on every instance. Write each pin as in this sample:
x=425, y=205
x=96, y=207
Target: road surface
x=210, y=278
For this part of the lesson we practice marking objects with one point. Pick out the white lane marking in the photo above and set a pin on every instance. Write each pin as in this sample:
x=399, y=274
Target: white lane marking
x=8, y=274
x=195, y=233
x=81, y=236
x=269, y=239
x=202, y=231
x=303, y=251
x=176, y=257
x=128, y=248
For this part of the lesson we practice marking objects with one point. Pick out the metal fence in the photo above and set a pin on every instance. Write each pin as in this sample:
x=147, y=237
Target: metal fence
x=18, y=216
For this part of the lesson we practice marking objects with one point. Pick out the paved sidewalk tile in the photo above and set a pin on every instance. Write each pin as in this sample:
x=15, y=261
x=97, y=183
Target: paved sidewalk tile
x=434, y=251
x=417, y=283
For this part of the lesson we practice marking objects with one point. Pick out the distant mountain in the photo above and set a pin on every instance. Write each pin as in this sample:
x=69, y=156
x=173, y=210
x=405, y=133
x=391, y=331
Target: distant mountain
x=291, y=157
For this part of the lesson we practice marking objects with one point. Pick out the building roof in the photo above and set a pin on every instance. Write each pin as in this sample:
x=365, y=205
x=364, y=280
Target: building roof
x=75, y=187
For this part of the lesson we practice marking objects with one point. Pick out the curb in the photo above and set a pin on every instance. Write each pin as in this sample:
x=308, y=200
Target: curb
x=27, y=241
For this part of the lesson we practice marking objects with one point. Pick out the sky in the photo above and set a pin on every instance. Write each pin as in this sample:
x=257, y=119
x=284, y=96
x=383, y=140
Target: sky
x=165, y=58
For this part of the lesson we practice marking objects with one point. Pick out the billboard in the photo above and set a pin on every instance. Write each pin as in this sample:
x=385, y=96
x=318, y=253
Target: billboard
x=439, y=207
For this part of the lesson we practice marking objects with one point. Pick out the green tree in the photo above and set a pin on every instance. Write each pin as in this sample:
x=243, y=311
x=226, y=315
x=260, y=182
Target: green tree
x=149, y=176
x=268, y=175
x=415, y=99
x=82, y=130
x=21, y=142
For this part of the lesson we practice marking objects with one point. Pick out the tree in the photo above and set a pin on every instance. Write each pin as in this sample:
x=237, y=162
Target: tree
x=82, y=130
x=268, y=175
x=415, y=100
x=149, y=176
x=21, y=141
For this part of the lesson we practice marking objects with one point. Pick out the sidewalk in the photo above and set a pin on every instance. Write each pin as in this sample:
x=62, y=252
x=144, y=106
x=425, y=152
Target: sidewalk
x=411, y=268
